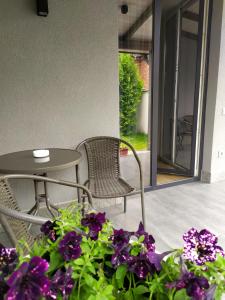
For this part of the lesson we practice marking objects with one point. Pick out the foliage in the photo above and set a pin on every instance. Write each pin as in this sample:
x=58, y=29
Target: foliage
x=112, y=264
x=131, y=86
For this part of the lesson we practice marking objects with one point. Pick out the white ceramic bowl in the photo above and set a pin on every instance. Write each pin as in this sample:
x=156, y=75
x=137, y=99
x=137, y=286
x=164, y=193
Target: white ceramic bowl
x=41, y=160
x=39, y=153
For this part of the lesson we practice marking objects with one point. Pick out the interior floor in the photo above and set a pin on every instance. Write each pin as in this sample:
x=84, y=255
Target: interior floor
x=168, y=178
x=163, y=178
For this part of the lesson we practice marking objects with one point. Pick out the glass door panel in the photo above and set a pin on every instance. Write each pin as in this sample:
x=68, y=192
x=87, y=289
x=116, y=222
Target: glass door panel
x=171, y=33
x=187, y=84
x=182, y=45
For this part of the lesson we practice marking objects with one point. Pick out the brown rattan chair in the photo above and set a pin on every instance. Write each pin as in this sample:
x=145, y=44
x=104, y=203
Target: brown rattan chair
x=16, y=223
x=104, y=177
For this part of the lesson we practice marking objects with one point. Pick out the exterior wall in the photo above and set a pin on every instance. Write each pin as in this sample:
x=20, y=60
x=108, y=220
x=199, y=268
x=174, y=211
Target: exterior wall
x=214, y=140
x=144, y=68
x=143, y=108
x=143, y=113
x=58, y=79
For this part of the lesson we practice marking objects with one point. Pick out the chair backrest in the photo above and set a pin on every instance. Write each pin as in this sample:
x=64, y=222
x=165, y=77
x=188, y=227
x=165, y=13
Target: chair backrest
x=103, y=157
x=16, y=229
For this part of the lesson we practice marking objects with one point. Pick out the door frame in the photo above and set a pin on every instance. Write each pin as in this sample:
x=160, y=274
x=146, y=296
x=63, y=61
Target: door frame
x=155, y=83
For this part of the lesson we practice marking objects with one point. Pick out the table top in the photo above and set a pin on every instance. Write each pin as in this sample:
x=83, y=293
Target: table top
x=24, y=162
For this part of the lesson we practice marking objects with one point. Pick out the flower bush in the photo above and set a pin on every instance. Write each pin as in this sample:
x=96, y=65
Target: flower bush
x=86, y=258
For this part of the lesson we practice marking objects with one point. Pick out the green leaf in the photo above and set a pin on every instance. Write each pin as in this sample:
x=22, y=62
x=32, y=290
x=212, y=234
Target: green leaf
x=120, y=275
x=128, y=295
x=85, y=248
x=121, y=272
x=141, y=289
x=181, y=295
x=89, y=280
x=141, y=239
x=136, y=250
x=55, y=261
x=79, y=261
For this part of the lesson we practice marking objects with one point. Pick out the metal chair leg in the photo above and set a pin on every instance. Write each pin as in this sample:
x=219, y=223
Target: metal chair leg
x=143, y=208
x=47, y=202
x=125, y=204
x=78, y=181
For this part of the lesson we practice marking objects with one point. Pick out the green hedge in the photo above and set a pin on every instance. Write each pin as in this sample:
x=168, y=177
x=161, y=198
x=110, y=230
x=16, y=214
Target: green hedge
x=131, y=86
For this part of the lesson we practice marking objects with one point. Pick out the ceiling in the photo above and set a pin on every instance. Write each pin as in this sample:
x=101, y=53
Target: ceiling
x=135, y=27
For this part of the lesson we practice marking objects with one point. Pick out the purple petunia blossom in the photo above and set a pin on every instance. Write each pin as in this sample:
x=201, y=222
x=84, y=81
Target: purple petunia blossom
x=69, y=246
x=156, y=258
x=121, y=256
x=8, y=260
x=201, y=247
x=29, y=281
x=149, y=241
x=94, y=222
x=140, y=265
x=48, y=230
x=210, y=293
x=195, y=286
x=61, y=284
x=120, y=238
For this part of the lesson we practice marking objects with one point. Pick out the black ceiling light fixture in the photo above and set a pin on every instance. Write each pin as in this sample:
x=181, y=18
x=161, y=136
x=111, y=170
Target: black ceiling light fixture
x=124, y=9
x=42, y=8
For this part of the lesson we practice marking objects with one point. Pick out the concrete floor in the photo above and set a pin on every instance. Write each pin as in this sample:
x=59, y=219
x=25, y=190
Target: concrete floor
x=172, y=211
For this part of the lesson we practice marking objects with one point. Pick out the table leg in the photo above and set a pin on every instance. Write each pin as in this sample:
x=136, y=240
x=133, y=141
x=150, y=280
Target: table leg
x=42, y=198
x=36, y=207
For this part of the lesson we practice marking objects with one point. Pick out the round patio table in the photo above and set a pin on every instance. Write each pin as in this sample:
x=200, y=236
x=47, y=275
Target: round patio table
x=23, y=162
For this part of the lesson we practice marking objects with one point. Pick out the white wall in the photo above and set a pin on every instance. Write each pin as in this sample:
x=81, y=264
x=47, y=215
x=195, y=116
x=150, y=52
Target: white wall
x=58, y=79
x=143, y=113
x=214, y=140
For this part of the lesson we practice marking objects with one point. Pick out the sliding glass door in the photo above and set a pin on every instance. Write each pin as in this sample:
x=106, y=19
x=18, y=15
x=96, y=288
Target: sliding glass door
x=161, y=85
x=180, y=99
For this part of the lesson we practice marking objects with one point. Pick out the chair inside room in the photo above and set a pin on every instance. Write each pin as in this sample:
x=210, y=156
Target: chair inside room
x=104, y=176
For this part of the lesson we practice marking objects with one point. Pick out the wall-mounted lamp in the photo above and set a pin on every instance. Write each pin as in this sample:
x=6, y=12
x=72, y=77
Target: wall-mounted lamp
x=42, y=8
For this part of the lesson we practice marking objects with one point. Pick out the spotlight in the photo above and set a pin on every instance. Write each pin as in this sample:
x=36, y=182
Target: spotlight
x=124, y=9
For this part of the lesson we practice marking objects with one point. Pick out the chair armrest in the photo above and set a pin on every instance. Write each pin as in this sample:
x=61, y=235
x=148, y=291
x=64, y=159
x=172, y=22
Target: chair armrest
x=50, y=180
x=23, y=216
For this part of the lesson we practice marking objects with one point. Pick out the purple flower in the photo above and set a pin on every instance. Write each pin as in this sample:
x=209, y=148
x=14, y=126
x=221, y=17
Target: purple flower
x=210, y=293
x=94, y=222
x=140, y=265
x=149, y=241
x=156, y=258
x=201, y=247
x=48, y=229
x=120, y=238
x=61, y=284
x=195, y=286
x=8, y=260
x=121, y=256
x=69, y=246
x=29, y=281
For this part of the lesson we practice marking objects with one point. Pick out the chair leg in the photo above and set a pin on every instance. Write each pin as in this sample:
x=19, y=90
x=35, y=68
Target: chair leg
x=125, y=204
x=78, y=181
x=143, y=208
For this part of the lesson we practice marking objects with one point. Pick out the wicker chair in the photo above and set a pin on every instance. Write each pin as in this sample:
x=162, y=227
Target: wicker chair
x=104, y=178
x=16, y=223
